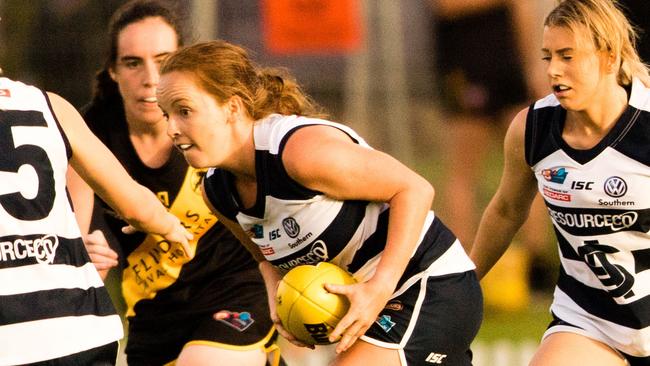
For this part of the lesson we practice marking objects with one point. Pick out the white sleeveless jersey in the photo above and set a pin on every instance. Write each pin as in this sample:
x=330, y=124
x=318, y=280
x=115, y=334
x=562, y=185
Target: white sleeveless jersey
x=293, y=225
x=599, y=203
x=52, y=300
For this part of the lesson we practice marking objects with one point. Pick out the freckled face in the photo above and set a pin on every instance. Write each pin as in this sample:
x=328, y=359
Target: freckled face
x=196, y=122
x=575, y=69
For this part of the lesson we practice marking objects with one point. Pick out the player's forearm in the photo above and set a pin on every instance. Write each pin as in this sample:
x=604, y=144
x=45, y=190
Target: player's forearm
x=269, y=273
x=144, y=211
x=271, y=277
x=497, y=228
x=408, y=212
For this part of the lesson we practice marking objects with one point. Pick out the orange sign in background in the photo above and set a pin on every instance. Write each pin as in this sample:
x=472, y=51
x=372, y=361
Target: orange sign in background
x=311, y=26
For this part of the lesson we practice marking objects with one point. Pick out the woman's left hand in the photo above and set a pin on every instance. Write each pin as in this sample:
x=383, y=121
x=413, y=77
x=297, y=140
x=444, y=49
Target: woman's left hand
x=367, y=299
x=271, y=279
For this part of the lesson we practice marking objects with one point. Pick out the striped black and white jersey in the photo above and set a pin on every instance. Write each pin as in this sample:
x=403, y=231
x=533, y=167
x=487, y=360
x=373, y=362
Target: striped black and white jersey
x=52, y=300
x=599, y=203
x=294, y=225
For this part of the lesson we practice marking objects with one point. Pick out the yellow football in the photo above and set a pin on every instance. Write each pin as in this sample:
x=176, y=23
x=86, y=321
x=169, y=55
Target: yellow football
x=305, y=308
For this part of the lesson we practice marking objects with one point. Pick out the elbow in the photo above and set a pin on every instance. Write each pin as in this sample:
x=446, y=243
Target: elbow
x=430, y=193
x=425, y=191
x=509, y=212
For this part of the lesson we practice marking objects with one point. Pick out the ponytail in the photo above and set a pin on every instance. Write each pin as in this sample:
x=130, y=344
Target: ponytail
x=278, y=92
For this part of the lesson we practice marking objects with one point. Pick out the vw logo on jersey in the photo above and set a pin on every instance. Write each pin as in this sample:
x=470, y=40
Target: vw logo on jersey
x=615, y=187
x=291, y=227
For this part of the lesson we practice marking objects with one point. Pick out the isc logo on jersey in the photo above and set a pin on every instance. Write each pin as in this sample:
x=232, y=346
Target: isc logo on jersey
x=436, y=358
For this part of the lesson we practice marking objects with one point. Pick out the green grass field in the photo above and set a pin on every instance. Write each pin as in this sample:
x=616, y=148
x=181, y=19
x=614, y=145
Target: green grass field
x=527, y=324
x=510, y=338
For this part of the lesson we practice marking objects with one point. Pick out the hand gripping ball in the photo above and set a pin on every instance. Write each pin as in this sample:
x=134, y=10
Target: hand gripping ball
x=305, y=308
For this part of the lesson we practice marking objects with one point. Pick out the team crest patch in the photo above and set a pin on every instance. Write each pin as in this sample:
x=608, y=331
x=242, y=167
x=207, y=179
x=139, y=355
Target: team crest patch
x=256, y=232
x=555, y=175
x=385, y=323
x=239, y=321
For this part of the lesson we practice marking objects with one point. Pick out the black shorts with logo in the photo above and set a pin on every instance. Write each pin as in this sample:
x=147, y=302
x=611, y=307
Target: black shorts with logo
x=433, y=321
x=158, y=340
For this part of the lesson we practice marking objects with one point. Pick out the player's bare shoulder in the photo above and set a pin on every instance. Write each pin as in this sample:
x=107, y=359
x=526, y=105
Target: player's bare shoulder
x=65, y=113
x=516, y=134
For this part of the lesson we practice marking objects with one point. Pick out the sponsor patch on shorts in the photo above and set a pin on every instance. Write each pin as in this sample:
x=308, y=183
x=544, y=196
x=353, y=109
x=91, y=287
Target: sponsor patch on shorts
x=385, y=322
x=394, y=305
x=240, y=321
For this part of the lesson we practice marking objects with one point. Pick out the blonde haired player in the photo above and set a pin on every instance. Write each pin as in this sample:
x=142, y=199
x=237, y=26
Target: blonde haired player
x=585, y=148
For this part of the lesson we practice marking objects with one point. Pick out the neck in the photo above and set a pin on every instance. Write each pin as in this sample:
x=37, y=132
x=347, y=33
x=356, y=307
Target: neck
x=146, y=128
x=603, y=112
x=242, y=159
x=586, y=128
x=150, y=142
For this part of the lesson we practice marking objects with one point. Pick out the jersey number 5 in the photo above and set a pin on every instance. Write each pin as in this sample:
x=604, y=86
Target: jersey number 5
x=15, y=154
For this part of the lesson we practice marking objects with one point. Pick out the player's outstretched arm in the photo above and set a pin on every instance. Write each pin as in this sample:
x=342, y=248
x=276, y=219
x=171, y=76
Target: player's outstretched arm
x=511, y=203
x=106, y=176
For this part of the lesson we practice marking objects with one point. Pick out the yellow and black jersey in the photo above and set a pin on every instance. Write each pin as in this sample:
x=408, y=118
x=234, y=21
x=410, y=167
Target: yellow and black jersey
x=164, y=289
